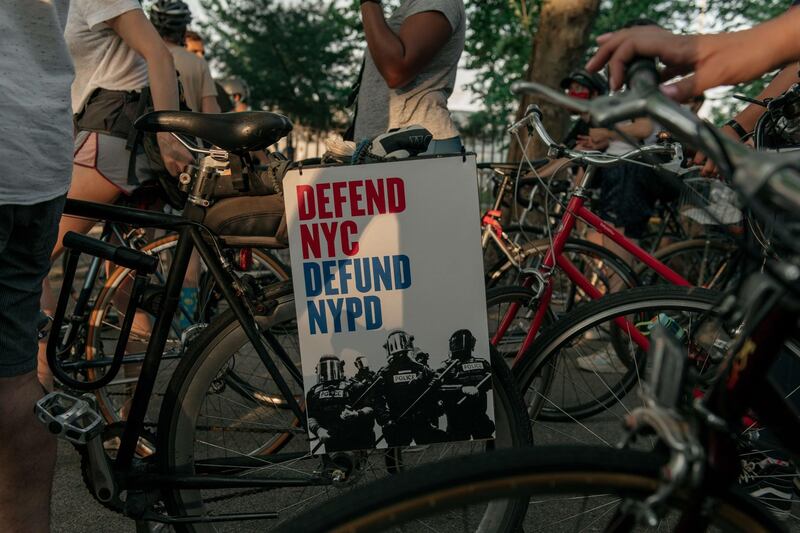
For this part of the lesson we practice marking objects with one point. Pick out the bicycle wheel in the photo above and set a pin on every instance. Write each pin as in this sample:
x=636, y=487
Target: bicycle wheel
x=498, y=301
x=586, y=364
x=107, y=315
x=209, y=426
x=570, y=489
x=703, y=262
x=605, y=270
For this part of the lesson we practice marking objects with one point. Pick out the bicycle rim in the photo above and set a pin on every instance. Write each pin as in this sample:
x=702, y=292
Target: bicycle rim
x=190, y=442
x=578, y=376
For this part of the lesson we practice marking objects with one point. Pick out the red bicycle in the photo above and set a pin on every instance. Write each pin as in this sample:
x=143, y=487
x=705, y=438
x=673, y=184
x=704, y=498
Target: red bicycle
x=590, y=378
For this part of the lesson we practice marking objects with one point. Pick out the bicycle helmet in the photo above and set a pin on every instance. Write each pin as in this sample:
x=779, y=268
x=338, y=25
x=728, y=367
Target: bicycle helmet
x=236, y=86
x=594, y=81
x=330, y=368
x=170, y=15
x=462, y=342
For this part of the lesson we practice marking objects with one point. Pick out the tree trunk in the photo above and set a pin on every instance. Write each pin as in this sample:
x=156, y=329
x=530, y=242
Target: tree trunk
x=558, y=48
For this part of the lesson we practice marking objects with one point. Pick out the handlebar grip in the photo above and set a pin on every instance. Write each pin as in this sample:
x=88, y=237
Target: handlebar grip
x=126, y=257
x=642, y=74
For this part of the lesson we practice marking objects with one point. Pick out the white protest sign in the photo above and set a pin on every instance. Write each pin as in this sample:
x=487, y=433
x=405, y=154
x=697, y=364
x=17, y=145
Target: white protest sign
x=391, y=311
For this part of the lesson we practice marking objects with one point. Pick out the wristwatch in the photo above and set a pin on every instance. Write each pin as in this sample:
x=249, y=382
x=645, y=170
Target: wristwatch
x=735, y=126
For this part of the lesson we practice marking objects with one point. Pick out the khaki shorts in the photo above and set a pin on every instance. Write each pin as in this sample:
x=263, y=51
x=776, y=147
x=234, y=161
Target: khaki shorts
x=109, y=157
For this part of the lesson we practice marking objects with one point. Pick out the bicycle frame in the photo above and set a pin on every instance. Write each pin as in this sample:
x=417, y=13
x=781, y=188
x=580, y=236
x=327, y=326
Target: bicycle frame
x=576, y=210
x=189, y=238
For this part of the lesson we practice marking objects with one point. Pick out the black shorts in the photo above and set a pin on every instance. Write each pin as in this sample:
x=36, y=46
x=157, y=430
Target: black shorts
x=27, y=236
x=628, y=194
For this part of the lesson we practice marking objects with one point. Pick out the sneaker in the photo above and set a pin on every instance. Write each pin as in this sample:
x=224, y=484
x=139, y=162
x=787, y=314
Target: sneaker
x=601, y=363
x=771, y=481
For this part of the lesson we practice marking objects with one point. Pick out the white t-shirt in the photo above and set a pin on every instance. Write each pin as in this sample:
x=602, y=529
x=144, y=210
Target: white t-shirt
x=35, y=115
x=422, y=100
x=101, y=57
x=621, y=146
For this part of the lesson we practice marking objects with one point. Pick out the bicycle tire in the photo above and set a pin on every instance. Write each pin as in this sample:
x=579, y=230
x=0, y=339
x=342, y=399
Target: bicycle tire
x=448, y=486
x=616, y=266
x=722, y=271
x=185, y=396
x=547, y=346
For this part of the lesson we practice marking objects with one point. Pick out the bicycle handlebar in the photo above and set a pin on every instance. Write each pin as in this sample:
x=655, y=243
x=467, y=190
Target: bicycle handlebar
x=533, y=116
x=753, y=173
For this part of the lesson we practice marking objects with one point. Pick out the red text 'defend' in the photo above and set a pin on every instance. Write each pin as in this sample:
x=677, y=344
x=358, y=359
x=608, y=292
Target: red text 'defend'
x=348, y=199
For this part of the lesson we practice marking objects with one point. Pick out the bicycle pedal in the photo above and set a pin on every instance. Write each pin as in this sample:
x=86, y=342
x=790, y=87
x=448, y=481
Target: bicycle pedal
x=73, y=418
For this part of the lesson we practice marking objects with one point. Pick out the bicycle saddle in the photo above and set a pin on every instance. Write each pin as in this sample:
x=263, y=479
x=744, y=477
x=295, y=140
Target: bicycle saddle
x=233, y=132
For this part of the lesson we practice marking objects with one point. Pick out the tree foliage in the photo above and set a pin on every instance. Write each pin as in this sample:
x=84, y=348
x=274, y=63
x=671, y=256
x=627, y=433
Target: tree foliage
x=298, y=58
x=501, y=33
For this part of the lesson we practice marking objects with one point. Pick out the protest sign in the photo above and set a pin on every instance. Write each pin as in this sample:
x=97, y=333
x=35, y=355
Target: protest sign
x=391, y=311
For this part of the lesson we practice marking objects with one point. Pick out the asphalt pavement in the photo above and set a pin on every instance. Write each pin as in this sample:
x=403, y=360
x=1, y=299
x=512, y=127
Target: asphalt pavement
x=74, y=510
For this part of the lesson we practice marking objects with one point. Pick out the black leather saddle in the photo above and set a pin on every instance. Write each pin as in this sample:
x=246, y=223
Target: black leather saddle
x=233, y=132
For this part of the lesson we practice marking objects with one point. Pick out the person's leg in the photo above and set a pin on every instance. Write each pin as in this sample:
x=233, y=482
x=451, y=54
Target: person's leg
x=27, y=450
x=89, y=185
x=28, y=456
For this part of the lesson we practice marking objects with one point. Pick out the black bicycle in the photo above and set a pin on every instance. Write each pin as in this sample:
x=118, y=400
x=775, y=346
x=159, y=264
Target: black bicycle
x=228, y=448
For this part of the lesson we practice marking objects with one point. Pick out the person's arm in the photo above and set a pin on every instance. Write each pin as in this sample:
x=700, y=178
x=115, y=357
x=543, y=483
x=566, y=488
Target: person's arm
x=714, y=60
x=749, y=116
x=399, y=57
x=641, y=128
x=137, y=32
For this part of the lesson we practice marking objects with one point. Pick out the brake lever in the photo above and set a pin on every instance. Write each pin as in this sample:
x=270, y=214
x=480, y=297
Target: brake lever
x=745, y=98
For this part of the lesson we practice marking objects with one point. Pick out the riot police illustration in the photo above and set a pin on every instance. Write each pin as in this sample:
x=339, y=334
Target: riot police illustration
x=421, y=357
x=334, y=415
x=363, y=373
x=409, y=390
x=465, y=382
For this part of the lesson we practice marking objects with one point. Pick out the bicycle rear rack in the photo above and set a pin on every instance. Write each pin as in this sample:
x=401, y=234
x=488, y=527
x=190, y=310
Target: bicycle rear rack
x=140, y=263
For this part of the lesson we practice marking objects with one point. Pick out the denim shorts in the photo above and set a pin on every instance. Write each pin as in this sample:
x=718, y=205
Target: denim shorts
x=27, y=236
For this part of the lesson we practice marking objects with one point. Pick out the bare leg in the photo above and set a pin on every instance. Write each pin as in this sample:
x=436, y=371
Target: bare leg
x=87, y=185
x=27, y=456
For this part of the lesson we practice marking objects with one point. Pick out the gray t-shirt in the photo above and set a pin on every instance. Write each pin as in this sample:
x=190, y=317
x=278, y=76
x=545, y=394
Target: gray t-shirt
x=102, y=59
x=35, y=116
x=423, y=100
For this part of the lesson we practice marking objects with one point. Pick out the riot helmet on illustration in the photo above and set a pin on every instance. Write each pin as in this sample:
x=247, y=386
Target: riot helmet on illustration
x=330, y=368
x=462, y=343
x=398, y=343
